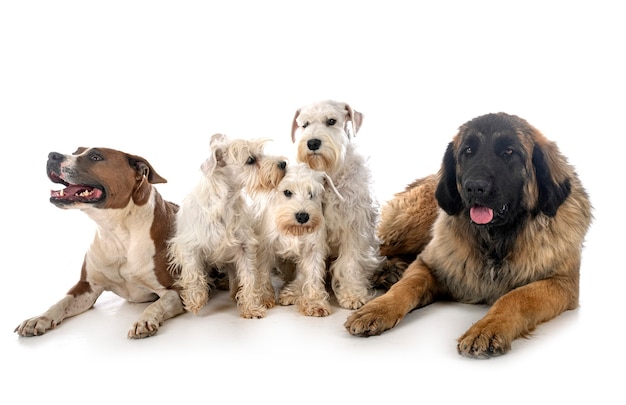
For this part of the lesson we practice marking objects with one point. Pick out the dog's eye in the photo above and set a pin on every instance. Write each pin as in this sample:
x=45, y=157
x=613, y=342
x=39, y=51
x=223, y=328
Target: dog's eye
x=94, y=157
x=330, y=122
x=306, y=124
x=311, y=196
x=251, y=160
x=287, y=193
x=468, y=150
x=508, y=151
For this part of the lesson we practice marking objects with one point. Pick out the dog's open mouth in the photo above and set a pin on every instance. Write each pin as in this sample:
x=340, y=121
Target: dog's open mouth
x=73, y=193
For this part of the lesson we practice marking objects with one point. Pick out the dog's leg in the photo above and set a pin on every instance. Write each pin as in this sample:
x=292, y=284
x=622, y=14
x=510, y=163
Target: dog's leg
x=266, y=261
x=78, y=300
x=250, y=299
x=167, y=306
x=416, y=288
x=516, y=314
x=352, y=272
x=308, y=289
x=192, y=281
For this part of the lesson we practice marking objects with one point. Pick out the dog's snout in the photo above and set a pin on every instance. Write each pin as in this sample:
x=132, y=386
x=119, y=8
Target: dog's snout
x=477, y=187
x=302, y=217
x=55, y=156
x=314, y=144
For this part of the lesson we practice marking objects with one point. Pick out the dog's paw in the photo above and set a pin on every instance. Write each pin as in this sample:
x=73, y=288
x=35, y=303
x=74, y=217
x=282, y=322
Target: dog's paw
x=194, y=299
x=372, y=319
x=143, y=329
x=484, y=340
x=252, y=310
x=287, y=296
x=352, y=301
x=268, y=301
x=314, y=308
x=390, y=273
x=35, y=326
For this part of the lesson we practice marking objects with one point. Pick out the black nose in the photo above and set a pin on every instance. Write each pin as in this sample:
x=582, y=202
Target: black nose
x=282, y=165
x=56, y=156
x=477, y=187
x=302, y=217
x=314, y=144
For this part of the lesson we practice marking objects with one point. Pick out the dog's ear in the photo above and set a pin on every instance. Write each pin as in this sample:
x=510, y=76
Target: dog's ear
x=144, y=169
x=215, y=159
x=551, y=192
x=447, y=194
x=294, y=126
x=356, y=118
x=80, y=150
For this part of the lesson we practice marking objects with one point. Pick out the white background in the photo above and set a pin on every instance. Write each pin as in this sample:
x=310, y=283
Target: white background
x=157, y=78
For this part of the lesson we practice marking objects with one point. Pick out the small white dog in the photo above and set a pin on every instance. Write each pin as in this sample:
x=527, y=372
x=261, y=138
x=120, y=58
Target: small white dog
x=292, y=232
x=214, y=227
x=323, y=135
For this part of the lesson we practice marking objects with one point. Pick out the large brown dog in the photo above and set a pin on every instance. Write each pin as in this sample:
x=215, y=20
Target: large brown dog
x=128, y=255
x=510, y=234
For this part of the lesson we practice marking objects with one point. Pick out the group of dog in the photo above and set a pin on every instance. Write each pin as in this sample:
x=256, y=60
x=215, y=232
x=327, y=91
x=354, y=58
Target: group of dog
x=501, y=223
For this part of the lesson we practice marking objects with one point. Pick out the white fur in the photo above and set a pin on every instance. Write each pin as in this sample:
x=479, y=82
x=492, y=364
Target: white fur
x=214, y=229
x=293, y=232
x=323, y=133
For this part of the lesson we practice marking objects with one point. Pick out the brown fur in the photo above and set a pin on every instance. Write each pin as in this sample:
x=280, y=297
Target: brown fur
x=527, y=271
x=417, y=206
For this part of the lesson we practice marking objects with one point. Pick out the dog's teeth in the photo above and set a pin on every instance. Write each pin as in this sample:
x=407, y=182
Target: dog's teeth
x=61, y=194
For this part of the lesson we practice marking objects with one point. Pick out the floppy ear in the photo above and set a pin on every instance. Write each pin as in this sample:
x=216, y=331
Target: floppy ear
x=551, y=193
x=356, y=118
x=294, y=126
x=144, y=169
x=214, y=160
x=447, y=194
x=217, y=154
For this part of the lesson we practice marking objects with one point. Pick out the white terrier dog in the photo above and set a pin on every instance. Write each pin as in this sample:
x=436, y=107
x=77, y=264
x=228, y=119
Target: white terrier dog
x=293, y=233
x=214, y=227
x=323, y=134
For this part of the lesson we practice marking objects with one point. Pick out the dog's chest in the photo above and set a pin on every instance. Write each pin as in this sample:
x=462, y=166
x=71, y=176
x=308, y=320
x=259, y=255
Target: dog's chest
x=121, y=259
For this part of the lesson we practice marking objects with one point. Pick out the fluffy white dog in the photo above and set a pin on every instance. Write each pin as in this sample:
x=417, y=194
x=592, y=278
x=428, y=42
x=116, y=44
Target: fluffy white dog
x=323, y=133
x=293, y=233
x=214, y=227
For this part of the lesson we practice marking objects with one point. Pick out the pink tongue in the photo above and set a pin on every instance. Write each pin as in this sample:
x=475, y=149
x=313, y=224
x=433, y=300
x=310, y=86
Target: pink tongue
x=481, y=215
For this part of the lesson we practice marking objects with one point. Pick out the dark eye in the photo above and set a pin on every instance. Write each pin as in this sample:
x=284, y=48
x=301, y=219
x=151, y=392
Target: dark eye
x=468, y=150
x=311, y=196
x=330, y=122
x=508, y=151
x=287, y=193
x=306, y=124
x=251, y=160
x=95, y=157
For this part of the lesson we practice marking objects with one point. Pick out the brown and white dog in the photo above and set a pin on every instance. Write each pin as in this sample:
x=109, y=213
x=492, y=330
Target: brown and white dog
x=129, y=253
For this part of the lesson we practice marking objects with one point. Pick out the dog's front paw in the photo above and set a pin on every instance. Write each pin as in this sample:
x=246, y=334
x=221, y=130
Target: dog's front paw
x=351, y=302
x=372, y=319
x=314, y=308
x=253, y=312
x=194, y=299
x=35, y=326
x=143, y=329
x=287, y=295
x=484, y=340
